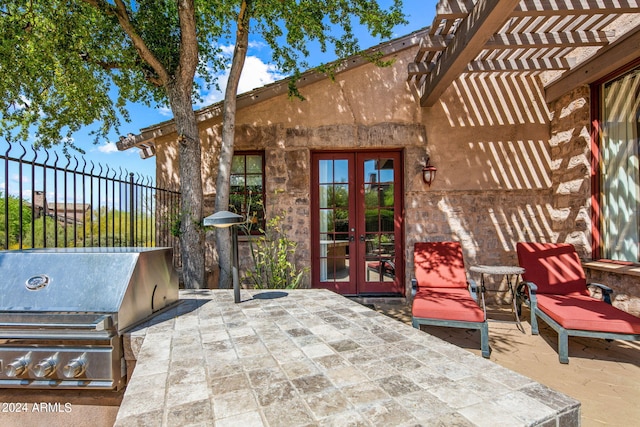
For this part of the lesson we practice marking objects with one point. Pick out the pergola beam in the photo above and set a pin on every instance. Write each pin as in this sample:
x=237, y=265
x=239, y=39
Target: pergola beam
x=607, y=60
x=486, y=18
x=520, y=65
x=453, y=9
x=547, y=40
x=528, y=8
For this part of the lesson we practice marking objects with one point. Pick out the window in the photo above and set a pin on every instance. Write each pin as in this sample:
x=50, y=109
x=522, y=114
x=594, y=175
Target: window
x=246, y=196
x=620, y=167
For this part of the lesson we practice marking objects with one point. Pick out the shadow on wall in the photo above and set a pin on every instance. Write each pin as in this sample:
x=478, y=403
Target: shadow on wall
x=511, y=168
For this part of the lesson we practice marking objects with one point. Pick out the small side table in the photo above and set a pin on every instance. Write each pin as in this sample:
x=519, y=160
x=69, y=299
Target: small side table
x=510, y=273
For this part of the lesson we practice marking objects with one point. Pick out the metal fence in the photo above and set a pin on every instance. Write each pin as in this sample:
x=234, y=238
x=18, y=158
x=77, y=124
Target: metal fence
x=52, y=200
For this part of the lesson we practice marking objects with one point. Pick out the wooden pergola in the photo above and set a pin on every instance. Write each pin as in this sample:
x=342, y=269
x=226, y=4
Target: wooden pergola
x=569, y=42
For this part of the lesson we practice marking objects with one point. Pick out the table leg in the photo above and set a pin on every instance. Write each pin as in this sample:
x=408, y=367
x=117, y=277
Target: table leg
x=514, y=307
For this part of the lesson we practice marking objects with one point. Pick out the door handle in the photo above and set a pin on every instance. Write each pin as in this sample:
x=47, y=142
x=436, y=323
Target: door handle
x=362, y=238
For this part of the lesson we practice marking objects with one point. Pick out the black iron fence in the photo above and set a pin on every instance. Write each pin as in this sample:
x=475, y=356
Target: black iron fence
x=51, y=200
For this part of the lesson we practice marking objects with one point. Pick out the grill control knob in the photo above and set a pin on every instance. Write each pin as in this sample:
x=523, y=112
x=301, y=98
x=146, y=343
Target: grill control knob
x=18, y=366
x=75, y=367
x=46, y=367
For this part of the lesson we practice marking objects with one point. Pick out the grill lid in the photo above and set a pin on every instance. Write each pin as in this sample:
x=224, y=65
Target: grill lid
x=129, y=282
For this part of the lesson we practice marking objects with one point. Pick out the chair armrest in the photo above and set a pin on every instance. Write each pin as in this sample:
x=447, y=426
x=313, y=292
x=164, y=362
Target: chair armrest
x=414, y=287
x=606, y=291
x=530, y=285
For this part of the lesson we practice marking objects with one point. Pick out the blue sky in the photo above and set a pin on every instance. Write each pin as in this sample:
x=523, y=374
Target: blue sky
x=257, y=72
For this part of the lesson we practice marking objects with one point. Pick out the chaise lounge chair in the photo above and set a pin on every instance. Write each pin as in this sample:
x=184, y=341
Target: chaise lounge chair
x=441, y=294
x=555, y=289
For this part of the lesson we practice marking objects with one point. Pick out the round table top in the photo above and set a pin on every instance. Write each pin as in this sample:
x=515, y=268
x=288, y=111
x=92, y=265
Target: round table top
x=497, y=269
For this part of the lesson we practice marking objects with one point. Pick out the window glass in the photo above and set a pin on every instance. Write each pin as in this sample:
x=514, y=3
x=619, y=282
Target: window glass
x=619, y=169
x=246, y=196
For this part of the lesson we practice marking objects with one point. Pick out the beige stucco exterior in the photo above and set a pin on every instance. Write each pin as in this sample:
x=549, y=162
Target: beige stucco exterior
x=510, y=166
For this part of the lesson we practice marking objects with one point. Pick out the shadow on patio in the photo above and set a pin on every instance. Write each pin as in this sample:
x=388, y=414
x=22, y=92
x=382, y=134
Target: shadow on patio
x=604, y=376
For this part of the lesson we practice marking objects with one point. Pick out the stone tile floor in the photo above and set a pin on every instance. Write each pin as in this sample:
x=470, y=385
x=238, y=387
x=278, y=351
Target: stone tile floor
x=603, y=376
x=311, y=357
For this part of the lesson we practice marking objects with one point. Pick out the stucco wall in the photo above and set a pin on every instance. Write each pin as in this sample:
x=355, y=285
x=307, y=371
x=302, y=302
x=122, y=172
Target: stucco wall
x=489, y=138
x=510, y=167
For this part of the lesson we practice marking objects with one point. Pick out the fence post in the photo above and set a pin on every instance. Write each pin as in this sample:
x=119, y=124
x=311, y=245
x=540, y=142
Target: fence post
x=132, y=213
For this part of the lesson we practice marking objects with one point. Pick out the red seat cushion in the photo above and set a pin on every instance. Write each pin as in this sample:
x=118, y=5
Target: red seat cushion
x=555, y=268
x=439, y=265
x=584, y=313
x=446, y=304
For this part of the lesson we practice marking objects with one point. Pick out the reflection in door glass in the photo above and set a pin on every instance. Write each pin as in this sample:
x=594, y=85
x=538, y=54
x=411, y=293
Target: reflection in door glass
x=334, y=220
x=379, y=220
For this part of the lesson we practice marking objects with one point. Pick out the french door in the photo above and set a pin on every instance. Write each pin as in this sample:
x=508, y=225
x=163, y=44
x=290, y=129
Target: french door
x=356, y=214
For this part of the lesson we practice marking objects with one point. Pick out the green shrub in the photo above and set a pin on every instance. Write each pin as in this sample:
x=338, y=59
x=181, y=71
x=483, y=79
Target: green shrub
x=272, y=254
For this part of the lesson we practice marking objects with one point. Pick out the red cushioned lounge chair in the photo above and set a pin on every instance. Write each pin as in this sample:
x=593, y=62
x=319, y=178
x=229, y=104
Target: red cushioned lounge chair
x=555, y=289
x=441, y=294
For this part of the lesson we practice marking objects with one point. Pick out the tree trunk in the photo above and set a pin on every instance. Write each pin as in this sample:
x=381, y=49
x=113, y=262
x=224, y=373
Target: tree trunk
x=223, y=238
x=191, y=213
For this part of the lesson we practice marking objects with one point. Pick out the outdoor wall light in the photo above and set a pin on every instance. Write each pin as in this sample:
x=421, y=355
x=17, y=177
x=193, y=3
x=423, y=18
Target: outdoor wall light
x=428, y=172
x=226, y=219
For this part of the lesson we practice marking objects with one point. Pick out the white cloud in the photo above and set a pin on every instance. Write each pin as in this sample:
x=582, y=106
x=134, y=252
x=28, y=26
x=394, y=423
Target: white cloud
x=109, y=147
x=165, y=111
x=227, y=50
x=255, y=74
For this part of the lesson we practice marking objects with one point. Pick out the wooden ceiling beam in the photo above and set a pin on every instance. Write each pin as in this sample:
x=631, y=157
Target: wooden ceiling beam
x=486, y=18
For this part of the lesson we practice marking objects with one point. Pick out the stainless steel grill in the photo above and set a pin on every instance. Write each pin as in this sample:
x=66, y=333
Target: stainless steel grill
x=63, y=312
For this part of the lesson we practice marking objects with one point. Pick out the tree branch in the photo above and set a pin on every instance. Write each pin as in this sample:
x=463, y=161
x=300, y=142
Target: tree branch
x=120, y=12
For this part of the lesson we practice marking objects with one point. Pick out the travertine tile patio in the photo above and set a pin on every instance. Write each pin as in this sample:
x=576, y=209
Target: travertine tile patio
x=315, y=358
x=604, y=376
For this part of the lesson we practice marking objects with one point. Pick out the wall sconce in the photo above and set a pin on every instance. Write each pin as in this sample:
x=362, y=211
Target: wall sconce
x=428, y=172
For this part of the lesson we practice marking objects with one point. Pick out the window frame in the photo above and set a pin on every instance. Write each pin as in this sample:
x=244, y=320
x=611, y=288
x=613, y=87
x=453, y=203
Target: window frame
x=597, y=91
x=261, y=221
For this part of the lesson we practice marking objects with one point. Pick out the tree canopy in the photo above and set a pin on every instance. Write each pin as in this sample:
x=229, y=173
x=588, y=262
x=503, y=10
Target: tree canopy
x=69, y=64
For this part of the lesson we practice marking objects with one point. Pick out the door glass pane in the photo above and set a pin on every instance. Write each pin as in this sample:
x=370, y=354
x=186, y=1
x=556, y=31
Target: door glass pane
x=340, y=171
x=378, y=178
x=371, y=199
x=371, y=220
x=326, y=221
x=326, y=195
x=386, y=220
x=325, y=171
x=341, y=195
x=341, y=219
x=334, y=220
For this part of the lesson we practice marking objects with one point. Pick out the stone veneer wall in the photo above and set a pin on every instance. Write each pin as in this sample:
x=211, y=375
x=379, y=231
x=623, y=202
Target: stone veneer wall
x=571, y=153
x=288, y=161
x=510, y=167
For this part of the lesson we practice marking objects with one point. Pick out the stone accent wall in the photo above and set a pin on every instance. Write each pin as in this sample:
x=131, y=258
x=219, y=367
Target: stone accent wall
x=571, y=154
x=288, y=171
x=626, y=288
x=571, y=169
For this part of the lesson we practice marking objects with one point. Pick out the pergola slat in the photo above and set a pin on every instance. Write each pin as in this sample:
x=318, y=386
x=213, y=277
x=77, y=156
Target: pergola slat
x=555, y=39
x=575, y=7
x=527, y=36
x=527, y=65
x=485, y=19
